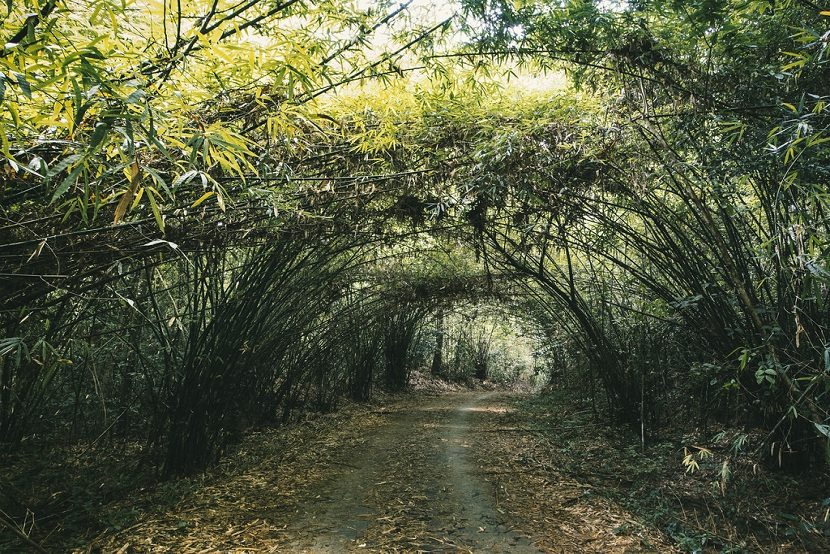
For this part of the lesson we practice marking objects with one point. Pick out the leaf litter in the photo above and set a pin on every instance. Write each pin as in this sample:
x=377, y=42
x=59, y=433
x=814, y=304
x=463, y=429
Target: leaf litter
x=439, y=470
x=436, y=471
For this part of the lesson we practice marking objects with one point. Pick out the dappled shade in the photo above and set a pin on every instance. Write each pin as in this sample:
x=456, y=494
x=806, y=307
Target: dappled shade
x=218, y=217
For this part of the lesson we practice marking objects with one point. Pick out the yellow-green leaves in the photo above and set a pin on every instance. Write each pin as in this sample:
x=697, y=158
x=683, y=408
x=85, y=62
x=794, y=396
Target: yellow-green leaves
x=136, y=103
x=733, y=130
x=202, y=198
x=226, y=149
x=151, y=196
x=133, y=174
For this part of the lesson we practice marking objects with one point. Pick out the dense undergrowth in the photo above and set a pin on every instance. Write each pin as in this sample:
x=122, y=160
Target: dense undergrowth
x=730, y=499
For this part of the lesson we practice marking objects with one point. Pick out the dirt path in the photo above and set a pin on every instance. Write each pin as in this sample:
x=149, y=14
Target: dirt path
x=413, y=486
x=451, y=472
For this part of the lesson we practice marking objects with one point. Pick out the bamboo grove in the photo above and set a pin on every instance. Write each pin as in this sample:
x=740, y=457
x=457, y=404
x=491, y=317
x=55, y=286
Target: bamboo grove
x=216, y=215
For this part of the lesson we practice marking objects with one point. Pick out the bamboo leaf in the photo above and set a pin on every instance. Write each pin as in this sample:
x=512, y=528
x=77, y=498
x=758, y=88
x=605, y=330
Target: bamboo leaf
x=24, y=85
x=98, y=135
x=67, y=182
x=184, y=178
x=156, y=213
x=127, y=197
x=202, y=198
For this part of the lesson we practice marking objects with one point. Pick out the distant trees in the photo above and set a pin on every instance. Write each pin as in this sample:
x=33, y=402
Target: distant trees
x=438, y=353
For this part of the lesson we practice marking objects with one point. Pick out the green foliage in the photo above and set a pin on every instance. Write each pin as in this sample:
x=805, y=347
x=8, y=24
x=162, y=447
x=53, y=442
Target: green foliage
x=219, y=215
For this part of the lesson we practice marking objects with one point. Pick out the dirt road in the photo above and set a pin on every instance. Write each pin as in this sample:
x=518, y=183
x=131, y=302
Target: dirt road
x=412, y=486
x=450, y=472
